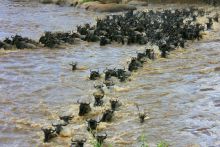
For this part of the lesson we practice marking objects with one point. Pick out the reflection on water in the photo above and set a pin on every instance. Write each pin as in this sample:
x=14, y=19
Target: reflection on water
x=180, y=93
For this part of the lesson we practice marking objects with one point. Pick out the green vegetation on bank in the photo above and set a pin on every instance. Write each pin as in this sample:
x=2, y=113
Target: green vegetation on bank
x=85, y=1
x=144, y=143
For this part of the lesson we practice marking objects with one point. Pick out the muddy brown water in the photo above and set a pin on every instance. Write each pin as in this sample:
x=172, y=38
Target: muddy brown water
x=181, y=93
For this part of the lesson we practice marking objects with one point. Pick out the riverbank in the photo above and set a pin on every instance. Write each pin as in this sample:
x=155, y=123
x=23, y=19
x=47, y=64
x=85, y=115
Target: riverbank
x=99, y=6
x=121, y=5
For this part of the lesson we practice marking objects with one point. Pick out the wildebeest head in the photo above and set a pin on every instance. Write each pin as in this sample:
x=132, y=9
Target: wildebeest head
x=110, y=73
x=83, y=30
x=100, y=86
x=104, y=40
x=92, y=124
x=150, y=54
x=140, y=56
x=66, y=118
x=100, y=137
x=134, y=64
x=141, y=115
x=115, y=104
x=94, y=75
x=74, y=65
x=84, y=108
x=99, y=91
x=98, y=95
x=120, y=72
x=98, y=101
x=49, y=133
x=59, y=126
x=78, y=142
x=107, y=116
x=164, y=53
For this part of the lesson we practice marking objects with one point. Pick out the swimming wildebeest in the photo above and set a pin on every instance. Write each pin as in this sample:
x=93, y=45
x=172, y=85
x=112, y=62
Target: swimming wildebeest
x=49, y=133
x=18, y=42
x=100, y=137
x=84, y=108
x=141, y=115
x=98, y=95
x=92, y=124
x=78, y=142
x=74, y=65
x=134, y=64
x=107, y=116
x=59, y=125
x=94, y=75
x=115, y=104
x=66, y=117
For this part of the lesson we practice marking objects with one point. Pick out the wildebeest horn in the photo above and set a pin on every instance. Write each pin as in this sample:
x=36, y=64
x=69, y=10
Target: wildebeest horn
x=84, y=140
x=105, y=69
x=88, y=103
x=138, y=108
x=106, y=135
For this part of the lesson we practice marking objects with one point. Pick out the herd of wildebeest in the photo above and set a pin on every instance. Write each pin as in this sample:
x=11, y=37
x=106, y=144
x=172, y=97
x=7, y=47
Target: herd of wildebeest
x=167, y=29
x=212, y=2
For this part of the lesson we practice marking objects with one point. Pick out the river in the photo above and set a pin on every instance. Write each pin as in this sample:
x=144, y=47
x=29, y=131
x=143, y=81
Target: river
x=180, y=93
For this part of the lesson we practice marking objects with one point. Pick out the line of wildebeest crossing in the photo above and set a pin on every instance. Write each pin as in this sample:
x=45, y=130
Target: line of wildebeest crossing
x=167, y=29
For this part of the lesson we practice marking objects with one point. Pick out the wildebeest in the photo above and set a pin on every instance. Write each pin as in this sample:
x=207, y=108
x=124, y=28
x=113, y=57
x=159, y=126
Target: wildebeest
x=84, y=108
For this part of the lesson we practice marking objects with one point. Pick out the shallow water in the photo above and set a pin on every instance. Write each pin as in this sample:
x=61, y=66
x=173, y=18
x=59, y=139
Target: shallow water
x=180, y=93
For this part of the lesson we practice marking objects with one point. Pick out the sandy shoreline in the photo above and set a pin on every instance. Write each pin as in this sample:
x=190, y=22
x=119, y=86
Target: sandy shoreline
x=119, y=5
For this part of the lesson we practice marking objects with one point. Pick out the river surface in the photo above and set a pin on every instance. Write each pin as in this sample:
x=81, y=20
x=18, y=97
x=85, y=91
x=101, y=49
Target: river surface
x=181, y=93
